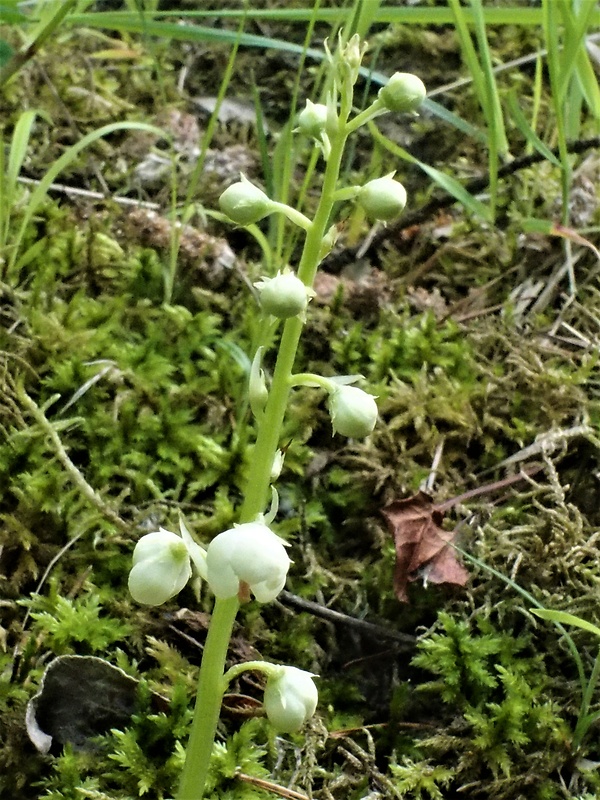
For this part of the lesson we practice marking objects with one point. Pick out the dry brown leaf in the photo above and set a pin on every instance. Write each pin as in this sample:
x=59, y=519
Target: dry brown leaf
x=422, y=545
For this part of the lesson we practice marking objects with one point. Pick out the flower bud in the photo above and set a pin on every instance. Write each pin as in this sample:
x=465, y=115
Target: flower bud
x=258, y=393
x=403, y=92
x=245, y=203
x=290, y=698
x=283, y=296
x=383, y=198
x=313, y=119
x=251, y=554
x=161, y=568
x=353, y=412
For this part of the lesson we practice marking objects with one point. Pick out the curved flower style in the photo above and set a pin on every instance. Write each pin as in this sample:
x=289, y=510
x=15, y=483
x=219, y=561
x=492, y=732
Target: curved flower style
x=161, y=568
x=290, y=698
x=248, y=554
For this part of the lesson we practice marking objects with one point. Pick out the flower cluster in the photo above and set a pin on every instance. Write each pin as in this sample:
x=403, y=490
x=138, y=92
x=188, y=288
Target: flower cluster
x=245, y=558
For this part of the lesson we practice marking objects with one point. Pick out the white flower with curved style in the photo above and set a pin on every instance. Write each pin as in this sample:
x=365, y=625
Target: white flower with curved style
x=161, y=568
x=353, y=412
x=249, y=554
x=290, y=698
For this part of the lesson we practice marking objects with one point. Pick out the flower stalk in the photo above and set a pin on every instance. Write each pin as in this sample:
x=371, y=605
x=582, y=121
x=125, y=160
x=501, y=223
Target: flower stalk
x=249, y=558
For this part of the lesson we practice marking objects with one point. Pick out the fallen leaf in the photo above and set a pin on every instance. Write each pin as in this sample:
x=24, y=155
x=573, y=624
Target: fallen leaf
x=422, y=545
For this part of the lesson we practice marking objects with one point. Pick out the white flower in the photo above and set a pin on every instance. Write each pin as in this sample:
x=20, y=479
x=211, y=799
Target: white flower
x=283, y=296
x=161, y=568
x=250, y=554
x=290, y=698
x=353, y=412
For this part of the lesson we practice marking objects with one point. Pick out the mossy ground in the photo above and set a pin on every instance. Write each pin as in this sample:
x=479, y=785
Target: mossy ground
x=442, y=321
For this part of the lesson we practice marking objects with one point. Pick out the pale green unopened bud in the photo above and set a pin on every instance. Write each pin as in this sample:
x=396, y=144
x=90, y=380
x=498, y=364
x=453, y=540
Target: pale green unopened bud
x=283, y=296
x=403, y=92
x=257, y=389
x=245, y=203
x=290, y=698
x=383, y=198
x=312, y=120
x=161, y=568
x=353, y=412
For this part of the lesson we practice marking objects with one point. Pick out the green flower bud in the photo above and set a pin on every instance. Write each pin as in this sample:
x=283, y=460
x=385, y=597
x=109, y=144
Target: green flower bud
x=403, y=92
x=283, y=296
x=312, y=120
x=161, y=568
x=290, y=698
x=383, y=198
x=245, y=203
x=353, y=412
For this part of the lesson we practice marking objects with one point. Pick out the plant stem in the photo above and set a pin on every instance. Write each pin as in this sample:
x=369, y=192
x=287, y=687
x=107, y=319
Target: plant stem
x=208, y=701
x=211, y=682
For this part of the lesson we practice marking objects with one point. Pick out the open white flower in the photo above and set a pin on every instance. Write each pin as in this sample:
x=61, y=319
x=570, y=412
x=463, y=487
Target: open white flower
x=250, y=554
x=161, y=568
x=290, y=698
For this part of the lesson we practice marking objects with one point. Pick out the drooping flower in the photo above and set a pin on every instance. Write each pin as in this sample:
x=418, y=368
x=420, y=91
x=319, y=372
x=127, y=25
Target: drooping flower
x=283, y=296
x=161, y=568
x=245, y=203
x=403, y=92
x=249, y=554
x=290, y=698
x=353, y=412
x=383, y=198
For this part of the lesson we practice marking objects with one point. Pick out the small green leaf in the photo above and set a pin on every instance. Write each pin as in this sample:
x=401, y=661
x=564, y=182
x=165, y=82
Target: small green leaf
x=6, y=52
x=566, y=618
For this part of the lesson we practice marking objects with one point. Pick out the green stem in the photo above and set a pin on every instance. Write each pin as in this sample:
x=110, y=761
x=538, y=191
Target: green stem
x=212, y=683
x=208, y=700
x=269, y=432
x=583, y=720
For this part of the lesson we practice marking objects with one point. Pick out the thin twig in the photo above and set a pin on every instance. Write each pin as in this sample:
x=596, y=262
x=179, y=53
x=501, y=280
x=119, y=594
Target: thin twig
x=338, y=618
x=84, y=487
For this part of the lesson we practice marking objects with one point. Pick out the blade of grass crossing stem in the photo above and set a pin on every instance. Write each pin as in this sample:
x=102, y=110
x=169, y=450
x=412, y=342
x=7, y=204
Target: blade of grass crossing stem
x=67, y=158
x=445, y=182
x=285, y=155
x=551, y=36
x=214, y=117
x=496, y=120
x=533, y=140
x=576, y=20
x=365, y=14
x=261, y=135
